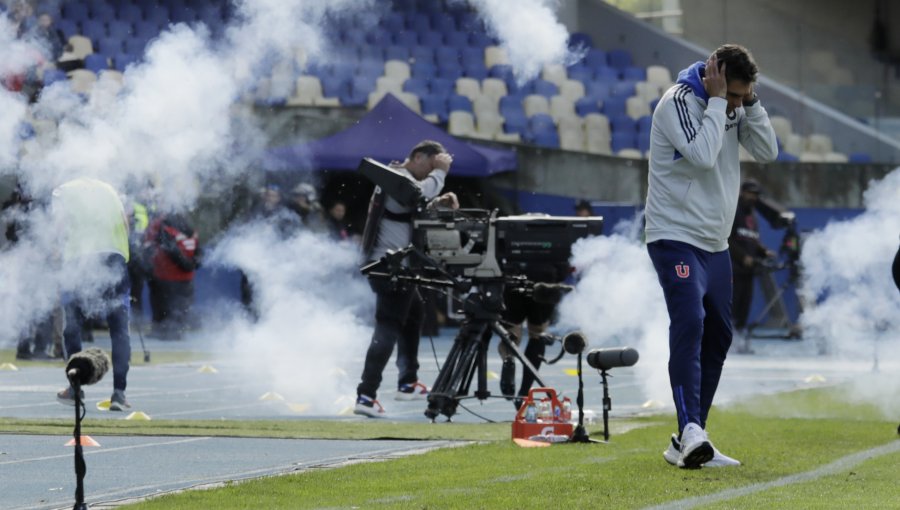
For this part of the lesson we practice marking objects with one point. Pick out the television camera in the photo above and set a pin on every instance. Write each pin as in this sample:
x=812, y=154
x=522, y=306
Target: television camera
x=474, y=255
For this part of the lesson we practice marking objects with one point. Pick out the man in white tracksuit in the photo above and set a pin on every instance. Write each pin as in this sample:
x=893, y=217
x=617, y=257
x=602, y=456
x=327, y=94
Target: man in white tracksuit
x=694, y=184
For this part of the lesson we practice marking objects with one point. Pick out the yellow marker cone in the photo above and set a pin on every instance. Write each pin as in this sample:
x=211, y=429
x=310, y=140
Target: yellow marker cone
x=103, y=405
x=138, y=415
x=207, y=369
x=85, y=441
x=271, y=395
x=298, y=408
x=492, y=375
x=571, y=371
x=815, y=379
x=9, y=366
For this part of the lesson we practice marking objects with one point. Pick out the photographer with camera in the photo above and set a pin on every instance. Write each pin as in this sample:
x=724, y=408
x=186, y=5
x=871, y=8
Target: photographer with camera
x=398, y=306
x=748, y=258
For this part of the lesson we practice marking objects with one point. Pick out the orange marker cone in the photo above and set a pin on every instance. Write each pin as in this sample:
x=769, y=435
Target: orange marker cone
x=85, y=441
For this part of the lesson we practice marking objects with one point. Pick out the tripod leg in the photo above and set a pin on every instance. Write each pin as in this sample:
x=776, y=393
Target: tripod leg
x=514, y=349
x=457, y=371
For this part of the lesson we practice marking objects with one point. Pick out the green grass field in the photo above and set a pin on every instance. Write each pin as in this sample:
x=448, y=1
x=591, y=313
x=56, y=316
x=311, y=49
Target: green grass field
x=842, y=455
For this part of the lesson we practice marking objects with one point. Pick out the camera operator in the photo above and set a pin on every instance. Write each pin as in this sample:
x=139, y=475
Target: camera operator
x=398, y=307
x=748, y=257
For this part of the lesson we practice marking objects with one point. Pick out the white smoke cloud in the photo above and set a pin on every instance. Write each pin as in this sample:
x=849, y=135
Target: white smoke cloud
x=852, y=306
x=311, y=302
x=530, y=33
x=618, y=302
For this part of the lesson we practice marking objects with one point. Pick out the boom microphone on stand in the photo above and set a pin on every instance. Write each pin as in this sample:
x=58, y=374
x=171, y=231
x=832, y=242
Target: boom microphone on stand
x=605, y=359
x=87, y=367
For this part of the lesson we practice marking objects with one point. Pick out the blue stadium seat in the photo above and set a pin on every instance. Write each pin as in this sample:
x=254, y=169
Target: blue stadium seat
x=644, y=124
x=653, y=104
x=418, y=21
x=613, y=106
x=434, y=104
x=357, y=93
x=515, y=122
x=181, y=13
x=457, y=102
x=422, y=54
x=580, y=72
x=450, y=72
x=123, y=60
x=787, y=157
x=606, y=74
x=446, y=54
x=541, y=122
x=394, y=22
x=146, y=30
x=109, y=46
x=120, y=29
x=457, y=39
x=69, y=27
x=623, y=140
x=368, y=52
x=54, y=75
x=622, y=123
x=442, y=86
x=157, y=14
x=405, y=38
x=336, y=86
x=598, y=90
x=480, y=39
x=595, y=58
x=643, y=141
x=423, y=69
x=623, y=89
x=471, y=54
x=394, y=52
x=857, y=157
x=511, y=105
x=373, y=68
x=102, y=12
x=475, y=70
x=619, y=59
x=211, y=13
x=75, y=11
x=502, y=71
x=543, y=87
x=546, y=139
x=431, y=38
x=586, y=105
x=135, y=45
x=96, y=63
x=418, y=86
x=443, y=23
x=130, y=12
x=93, y=29
x=379, y=38
x=352, y=37
x=580, y=40
x=633, y=73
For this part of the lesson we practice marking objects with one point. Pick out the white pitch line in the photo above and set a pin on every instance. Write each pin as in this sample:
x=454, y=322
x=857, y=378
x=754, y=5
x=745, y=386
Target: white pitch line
x=842, y=464
x=107, y=450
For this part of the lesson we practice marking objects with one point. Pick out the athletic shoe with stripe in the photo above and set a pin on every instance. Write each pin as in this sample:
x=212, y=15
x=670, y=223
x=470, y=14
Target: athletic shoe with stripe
x=368, y=406
x=673, y=453
x=414, y=391
x=696, y=449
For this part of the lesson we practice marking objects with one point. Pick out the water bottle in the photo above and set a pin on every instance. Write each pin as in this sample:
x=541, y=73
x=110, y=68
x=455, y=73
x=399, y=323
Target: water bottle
x=531, y=413
x=567, y=410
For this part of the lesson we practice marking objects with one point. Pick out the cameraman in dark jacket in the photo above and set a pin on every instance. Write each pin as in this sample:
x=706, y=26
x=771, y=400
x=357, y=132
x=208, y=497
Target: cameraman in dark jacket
x=748, y=256
x=398, y=308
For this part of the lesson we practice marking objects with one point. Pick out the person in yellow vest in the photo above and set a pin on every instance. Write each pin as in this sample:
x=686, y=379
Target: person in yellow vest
x=93, y=232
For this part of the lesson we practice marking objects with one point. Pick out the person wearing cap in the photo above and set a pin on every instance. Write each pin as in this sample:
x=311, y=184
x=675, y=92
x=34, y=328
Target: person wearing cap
x=583, y=209
x=698, y=127
x=747, y=254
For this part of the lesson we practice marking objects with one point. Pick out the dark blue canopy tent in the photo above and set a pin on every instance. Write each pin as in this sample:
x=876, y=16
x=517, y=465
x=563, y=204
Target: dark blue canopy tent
x=387, y=133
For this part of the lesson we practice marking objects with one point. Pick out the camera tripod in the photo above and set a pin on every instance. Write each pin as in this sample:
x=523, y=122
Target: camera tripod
x=775, y=308
x=468, y=355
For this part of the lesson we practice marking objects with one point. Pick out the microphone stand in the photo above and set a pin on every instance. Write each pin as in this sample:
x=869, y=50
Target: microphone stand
x=580, y=435
x=80, y=467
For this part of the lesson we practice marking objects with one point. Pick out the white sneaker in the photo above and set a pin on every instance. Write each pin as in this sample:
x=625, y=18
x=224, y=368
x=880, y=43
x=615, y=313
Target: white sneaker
x=414, y=391
x=366, y=406
x=695, y=447
x=721, y=460
x=673, y=453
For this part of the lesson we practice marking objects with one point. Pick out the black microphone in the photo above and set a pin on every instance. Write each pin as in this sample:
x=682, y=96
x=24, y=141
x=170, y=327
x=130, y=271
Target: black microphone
x=549, y=293
x=574, y=342
x=87, y=367
x=605, y=359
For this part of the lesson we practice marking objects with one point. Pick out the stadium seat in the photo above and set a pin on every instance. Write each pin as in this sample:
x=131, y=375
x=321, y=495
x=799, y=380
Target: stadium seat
x=644, y=124
x=546, y=139
x=422, y=55
x=405, y=38
x=457, y=102
x=461, y=124
x=598, y=124
x=515, y=122
x=836, y=157
x=534, y=104
x=67, y=26
x=859, y=157
x=397, y=70
x=457, y=39
x=157, y=15
x=646, y=91
x=306, y=91
x=475, y=70
x=819, y=144
x=811, y=157
x=423, y=69
x=411, y=101
x=554, y=73
x=442, y=86
x=431, y=39
x=434, y=108
x=145, y=30
x=480, y=39
x=488, y=125
x=75, y=11
x=571, y=89
x=643, y=141
x=108, y=46
x=580, y=40
x=613, y=106
x=135, y=45
x=511, y=105
x=606, y=74
x=468, y=87
x=81, y=46
x=787, y=157
x=543, y=87
x=418, y=86
x=598, y=90
x=619, y=59
x=52, y=76
x=561, y=107
x=587, y=105
x=102, y=11
x=595, y=143
x=570, y=122
x=82, y=81
x=486, y=105
x=629, y=153
x=781, y=126
x=595, y=58
x=130, y=12
x=96, y=63
x=659, y=76
x=572, y=139
x=623, y=89
x=389, y=84
x=450, y=70
x=633, y=73
x=623, y=123
x=636, y=107
x=444, y=55
x=443, y=24
x=93, y=29
x=494, y=87
x=581, y=73
x=495, y=55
